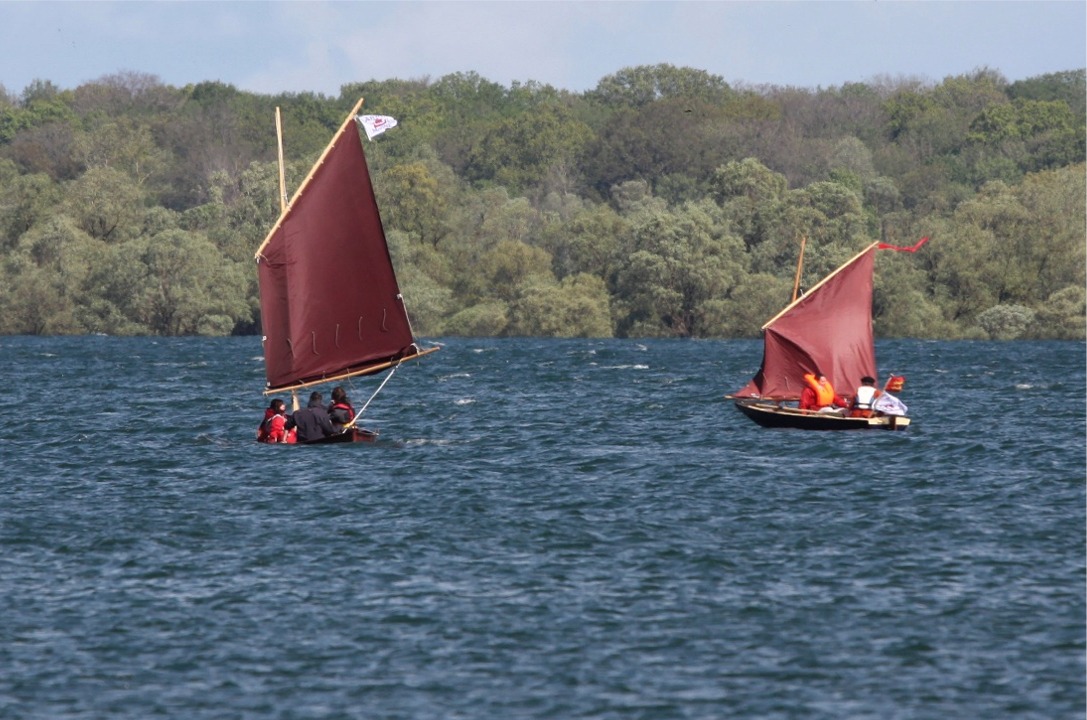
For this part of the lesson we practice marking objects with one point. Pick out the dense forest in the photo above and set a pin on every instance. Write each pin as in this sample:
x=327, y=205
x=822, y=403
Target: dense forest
x=665, y=202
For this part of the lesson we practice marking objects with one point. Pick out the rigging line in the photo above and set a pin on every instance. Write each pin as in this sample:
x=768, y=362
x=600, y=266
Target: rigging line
x=404, y=307
x=387, y=378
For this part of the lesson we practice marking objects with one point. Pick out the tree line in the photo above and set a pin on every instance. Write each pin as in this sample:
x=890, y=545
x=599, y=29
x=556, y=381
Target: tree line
x=665, y=202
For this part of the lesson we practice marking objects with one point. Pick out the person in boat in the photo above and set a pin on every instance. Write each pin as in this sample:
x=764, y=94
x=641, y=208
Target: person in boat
x=276, y=426
x=312, y=422
x=262, y=429
x=865, y=396
x=339, y=410
x=818, y=395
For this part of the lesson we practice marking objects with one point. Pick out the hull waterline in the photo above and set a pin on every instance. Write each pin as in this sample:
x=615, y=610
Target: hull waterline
x=767, y=414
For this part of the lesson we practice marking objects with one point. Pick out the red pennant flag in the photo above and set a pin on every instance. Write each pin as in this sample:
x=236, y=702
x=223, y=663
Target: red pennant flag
x=922, y=241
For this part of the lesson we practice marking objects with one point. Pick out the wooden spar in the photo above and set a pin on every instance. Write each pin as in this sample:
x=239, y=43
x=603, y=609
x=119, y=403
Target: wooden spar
x=841, y=267
x=366, y=371
x=282, y=175
x=799, y=266
x=302, y=187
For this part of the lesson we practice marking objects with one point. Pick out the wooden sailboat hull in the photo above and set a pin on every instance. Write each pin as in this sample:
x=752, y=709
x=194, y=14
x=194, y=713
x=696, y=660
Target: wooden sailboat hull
x=353, y=435
x=772, y=415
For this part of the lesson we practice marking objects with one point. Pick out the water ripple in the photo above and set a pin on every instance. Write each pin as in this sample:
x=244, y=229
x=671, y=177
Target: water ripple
x=544, y=529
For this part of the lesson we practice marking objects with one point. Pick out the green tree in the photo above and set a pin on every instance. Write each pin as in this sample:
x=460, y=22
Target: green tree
x=518, y=151
x=644, y=84
x=1006, y=322
x=587, y=243
x=677, y=262
x=24, y=201
x=486, y=319
x=1062, y=315
x=576, y=307
x=184, y=285
x=125, y=145
x=752, y=196
x=511, y=264
x=414, y=200
x=754, y=300
x=43, y=279
x=428, y=302
x=42, y=104
x=106, y=204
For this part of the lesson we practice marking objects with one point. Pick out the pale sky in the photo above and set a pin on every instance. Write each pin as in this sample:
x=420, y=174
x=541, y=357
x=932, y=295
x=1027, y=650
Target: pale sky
x=317, y=46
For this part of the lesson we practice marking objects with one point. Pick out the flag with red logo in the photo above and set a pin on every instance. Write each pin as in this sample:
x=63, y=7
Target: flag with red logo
x=374, y=125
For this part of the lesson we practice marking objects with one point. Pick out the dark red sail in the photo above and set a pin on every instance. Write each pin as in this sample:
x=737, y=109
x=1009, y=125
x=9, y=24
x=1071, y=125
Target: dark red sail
x=330, y=303
x=828, y=331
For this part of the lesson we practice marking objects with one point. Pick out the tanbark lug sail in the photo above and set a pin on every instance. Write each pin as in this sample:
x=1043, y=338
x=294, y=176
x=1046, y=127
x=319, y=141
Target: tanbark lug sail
x=331, y=307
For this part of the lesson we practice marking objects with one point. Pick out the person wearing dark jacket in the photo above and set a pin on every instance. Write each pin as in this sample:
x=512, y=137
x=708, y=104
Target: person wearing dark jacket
x=340, y=411
x=312, y=422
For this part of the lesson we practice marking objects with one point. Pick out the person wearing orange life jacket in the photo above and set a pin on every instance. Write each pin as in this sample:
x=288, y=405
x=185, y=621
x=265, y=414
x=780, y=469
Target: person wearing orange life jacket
x=340, y=411
x=818, y=393
x=866, y=395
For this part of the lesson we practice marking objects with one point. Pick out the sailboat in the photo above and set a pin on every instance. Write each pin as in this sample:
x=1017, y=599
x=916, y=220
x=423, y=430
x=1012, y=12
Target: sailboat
x=827, y=331
x=331, y=308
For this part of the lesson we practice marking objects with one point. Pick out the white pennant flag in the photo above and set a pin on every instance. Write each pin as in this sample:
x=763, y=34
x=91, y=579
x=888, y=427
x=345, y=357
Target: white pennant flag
x=376, y=124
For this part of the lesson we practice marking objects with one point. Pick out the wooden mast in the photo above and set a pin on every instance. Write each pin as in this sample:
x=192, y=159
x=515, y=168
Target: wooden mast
x=282, y=175
x=799, y=267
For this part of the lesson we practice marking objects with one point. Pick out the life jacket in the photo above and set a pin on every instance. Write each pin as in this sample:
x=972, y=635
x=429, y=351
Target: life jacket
x=865, y=395
x=824, y=391
x=277, y=431
x=349, y=411
x=262, y=429
x=274, y=430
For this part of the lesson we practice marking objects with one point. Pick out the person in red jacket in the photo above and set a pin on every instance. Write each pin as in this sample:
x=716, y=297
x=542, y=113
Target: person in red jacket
x=262, y=429
x=277, y=426
x=818, y=393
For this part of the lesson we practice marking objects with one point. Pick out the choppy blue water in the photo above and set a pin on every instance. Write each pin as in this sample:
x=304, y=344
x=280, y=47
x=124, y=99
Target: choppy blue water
x=546, y=529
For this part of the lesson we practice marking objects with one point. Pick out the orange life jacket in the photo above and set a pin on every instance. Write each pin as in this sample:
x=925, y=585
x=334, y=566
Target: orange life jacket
x=824, y=391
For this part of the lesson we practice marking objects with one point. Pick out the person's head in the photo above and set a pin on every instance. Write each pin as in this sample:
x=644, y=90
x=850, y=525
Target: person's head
x=278, y=406
x=315, y=398
x=868, y=380
x=339, y=394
